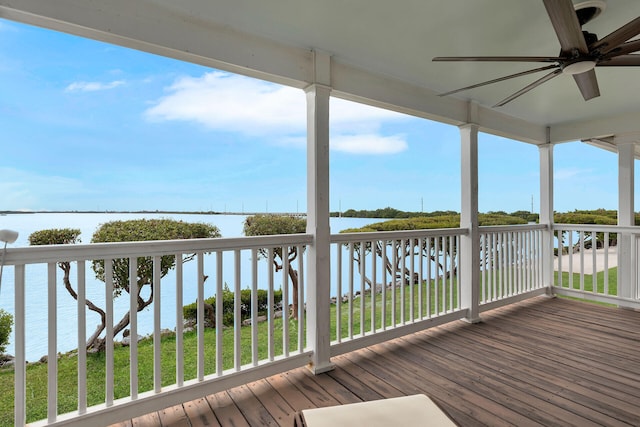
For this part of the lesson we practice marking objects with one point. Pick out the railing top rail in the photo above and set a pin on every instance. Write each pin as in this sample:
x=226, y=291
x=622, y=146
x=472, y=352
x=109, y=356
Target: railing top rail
x=596, y=228
x=58, y=253
x=391, y=235
x=516, y=227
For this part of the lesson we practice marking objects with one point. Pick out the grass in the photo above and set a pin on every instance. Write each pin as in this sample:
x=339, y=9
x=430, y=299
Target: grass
x=406, y=301
x=68, y=362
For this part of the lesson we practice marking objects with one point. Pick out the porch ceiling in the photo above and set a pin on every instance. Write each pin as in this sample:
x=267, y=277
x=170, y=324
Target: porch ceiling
x=381, y=53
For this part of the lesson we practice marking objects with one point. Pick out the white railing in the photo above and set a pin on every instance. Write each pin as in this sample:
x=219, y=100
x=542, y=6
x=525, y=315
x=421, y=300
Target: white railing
x=221, y=358
x=391, y=283
x=511, y=262
x=597, y=262
x=383, y=284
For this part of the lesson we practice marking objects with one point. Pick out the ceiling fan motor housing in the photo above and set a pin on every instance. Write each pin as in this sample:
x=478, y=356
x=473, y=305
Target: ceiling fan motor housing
x=588, y=10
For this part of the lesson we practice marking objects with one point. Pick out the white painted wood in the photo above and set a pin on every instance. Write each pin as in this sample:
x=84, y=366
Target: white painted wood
x=626, y=217
x=363, y=273
x=82, y=337
x=254, y=307
x=108, y=289
x=319, y=260
x=20, y=366
x=133, y=327
x=157, y=335
x=219, y=318
x=52, y=353
x=301, y=300
x=179, y=321
x=237, y=305
x=469, y=244
x=271, y=313
x=339, y=293
x=200, y=312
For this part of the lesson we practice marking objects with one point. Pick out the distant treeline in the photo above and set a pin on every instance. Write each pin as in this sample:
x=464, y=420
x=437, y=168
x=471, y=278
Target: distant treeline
x=391, y=213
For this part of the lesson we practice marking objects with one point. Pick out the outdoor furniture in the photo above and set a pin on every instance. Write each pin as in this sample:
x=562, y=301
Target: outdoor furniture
x=417, y=410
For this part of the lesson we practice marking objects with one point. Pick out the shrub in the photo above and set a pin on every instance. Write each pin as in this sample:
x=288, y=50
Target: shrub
x=6, y=322
x=190, y=311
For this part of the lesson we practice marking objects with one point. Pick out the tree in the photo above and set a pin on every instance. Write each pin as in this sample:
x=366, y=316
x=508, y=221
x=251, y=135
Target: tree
x=126, y=231
x=6, y=322
x=68, y=236
x=265, y=225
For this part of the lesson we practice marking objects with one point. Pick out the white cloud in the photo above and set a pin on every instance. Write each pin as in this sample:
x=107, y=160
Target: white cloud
x=369, y=144
x=571, y=173
x=92, y=86
x=233, y=103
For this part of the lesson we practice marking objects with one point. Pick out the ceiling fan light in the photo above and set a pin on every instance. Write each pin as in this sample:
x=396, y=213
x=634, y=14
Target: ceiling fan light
x=578, y=67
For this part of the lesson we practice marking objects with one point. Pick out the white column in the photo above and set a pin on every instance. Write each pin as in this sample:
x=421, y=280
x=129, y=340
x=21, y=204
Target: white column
x=546, y=214
x=318, y=265
x=470, y=243
x=626, y=217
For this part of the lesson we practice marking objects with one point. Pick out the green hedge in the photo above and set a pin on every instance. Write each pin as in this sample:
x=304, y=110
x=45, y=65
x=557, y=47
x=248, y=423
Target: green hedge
x=190, y=311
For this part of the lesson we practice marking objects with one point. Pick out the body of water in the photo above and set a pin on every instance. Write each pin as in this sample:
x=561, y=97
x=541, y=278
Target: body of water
x=36, y=311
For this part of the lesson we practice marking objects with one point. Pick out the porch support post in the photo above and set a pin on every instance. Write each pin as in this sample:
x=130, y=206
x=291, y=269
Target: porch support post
x=546, y=214
x=469, y=275
x=318, y=255
x=626, y=217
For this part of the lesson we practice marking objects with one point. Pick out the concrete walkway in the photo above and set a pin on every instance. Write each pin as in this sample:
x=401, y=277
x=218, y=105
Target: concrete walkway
x=611, y=255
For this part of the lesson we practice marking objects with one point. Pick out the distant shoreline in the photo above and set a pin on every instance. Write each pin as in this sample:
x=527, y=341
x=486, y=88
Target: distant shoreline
x=152, y=212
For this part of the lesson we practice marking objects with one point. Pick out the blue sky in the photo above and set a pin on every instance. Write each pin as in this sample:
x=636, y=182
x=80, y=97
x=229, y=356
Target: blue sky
x=91, y=126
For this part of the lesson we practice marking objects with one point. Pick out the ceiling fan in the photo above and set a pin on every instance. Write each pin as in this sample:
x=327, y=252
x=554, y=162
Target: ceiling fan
x=580, y=52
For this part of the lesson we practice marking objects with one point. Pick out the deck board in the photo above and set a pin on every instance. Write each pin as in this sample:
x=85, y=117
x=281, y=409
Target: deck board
x=540, y=362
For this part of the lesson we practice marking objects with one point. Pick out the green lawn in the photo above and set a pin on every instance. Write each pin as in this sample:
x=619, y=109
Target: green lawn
x=406, y=297
x=67, y=363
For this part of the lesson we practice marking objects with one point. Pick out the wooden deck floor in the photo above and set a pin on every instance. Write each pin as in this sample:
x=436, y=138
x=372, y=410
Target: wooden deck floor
x=541, y=362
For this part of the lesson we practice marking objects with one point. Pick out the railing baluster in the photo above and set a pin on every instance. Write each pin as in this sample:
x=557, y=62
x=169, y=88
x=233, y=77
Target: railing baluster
x=606, y=263
x=109, y=372
x=133, y=327
x=428, y=287
x=254, y=307
x=219, y=317
x=179, y=321
x=52, y=357
x=301, y=300
x=285, y=299
x=363, y=272
x=200, y=317
x=271, y=313
x=237, y=305
x=582, y=237
x=374, y=284
x=157, y=338
x=20, y=366
x=403, y=280
x=350, y=293
x=82, y=337
x=411, y=279
x=383, y=297
x=438, y=276
x=420, y=278
x=394, y=279
x=339, y=249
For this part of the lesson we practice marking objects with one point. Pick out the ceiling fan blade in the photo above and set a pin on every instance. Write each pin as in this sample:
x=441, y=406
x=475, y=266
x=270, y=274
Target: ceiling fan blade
x=566, y=25
x=499, y=79
x=499, y=58
x=624, y=49
x=621, y=35
x=588, y=84
x=527, y=88
x=623, y=60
